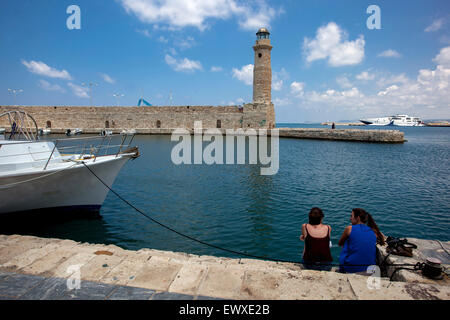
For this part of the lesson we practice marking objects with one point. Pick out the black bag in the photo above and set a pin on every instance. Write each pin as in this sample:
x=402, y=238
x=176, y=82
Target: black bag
x=400, y=247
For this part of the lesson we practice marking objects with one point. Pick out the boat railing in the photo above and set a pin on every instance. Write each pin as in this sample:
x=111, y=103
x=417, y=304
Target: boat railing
x=92, y=147
x=82, y=147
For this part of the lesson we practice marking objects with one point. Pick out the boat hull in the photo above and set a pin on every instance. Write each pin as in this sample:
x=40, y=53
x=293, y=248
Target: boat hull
x=377, y=121
x=71, y=189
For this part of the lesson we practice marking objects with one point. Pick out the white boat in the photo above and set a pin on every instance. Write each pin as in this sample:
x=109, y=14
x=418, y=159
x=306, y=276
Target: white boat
x=106, y=132
x=73, y=132
x=404, y=120
x=44, y=132
x=397, y=120
x=45, y=175
x=129, y=131
x=385, y=121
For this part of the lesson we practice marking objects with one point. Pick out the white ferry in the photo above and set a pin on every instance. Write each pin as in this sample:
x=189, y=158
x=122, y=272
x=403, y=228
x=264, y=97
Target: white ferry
x=397, y=120
x=407, y=121
x=386, y=121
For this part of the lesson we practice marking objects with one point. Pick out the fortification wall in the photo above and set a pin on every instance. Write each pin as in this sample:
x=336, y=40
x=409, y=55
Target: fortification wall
x=65, y=117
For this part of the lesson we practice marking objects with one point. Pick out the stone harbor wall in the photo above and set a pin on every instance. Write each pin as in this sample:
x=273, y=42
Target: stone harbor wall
x=88, y=118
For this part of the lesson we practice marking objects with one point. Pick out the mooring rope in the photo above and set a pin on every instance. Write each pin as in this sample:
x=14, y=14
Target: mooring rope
x=226, y=249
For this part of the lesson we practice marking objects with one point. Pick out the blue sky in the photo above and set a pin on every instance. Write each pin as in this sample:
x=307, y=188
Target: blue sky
x=326, y=64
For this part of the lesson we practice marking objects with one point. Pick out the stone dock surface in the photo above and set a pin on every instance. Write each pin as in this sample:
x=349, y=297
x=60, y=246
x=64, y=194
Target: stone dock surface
x=38, y=268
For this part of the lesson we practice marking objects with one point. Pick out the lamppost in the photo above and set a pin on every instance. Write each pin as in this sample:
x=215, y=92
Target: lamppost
x=15, y=92
x=117, y=96
x=91, y=84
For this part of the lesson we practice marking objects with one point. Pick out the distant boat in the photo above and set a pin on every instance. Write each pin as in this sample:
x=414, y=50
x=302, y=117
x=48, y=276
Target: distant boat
x=46, y=131
x=401, y=120
x=407, y=121
x=385, y=121
x=106, y=132
x=129, y=131
x=74, y=132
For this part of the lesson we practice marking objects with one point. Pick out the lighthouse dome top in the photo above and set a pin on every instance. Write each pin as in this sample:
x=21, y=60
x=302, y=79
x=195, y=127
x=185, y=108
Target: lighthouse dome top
x=263, y=33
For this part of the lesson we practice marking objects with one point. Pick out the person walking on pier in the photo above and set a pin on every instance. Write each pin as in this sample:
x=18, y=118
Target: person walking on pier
x=359, y=243
x=316, y=254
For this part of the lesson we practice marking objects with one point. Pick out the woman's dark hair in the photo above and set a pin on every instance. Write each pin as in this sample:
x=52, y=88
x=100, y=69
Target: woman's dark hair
x=315, y=216
x=366, y=218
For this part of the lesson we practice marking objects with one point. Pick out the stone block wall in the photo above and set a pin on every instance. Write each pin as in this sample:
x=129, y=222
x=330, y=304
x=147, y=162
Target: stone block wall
x=69, y=117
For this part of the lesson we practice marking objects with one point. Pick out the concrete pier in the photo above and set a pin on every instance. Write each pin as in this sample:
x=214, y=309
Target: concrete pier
x=356, y=135
x=106, y=269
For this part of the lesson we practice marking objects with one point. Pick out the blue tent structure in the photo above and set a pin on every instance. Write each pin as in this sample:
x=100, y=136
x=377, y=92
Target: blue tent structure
x=142, y=101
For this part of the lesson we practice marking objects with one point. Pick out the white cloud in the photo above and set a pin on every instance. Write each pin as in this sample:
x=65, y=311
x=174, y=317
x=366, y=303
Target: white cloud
x=183, y=65
x=162, y=39
x=277, y=85
x=195, y=13
x=426, y=95
x=436, y=25
x=388, y=90
x=443, y=58
x=254, y=20
x=144, y=32
x=107, y=78
x=239, y=101
x=40, y=68
x=278, y=78
x=344, y=82
x=81, y=92
x=389, y=79
x=335, y=96
x=331, y=43
x=389, y=54
x=184, y=42
x=281, y=102
x=50, y=87
x=216, y=69
x=297, y=88
x=245, y=74
x=365, y=76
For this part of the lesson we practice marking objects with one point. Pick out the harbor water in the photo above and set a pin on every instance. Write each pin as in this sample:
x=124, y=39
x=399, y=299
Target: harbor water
x=406, y=188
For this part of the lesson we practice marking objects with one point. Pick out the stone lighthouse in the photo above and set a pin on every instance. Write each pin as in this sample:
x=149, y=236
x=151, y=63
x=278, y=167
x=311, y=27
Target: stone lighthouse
x=262, y=72
x=261, y=112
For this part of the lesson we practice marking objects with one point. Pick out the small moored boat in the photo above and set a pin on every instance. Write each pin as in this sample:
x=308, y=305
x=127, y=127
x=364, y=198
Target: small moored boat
x=44, y=175
x=73, y=132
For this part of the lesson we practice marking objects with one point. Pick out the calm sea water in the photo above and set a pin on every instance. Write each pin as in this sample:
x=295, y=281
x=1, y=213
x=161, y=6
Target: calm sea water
x=406, y=188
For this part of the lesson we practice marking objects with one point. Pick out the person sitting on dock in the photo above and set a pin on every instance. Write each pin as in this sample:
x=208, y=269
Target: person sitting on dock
x=316, y=254
x=359, y=243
